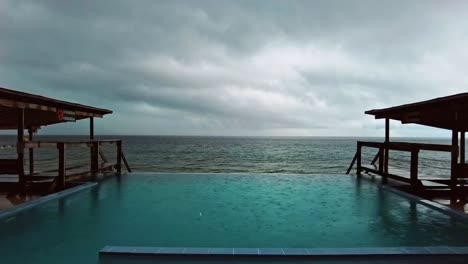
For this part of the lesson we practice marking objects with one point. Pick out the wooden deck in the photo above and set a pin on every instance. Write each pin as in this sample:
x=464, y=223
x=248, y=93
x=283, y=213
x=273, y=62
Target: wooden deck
x=58, y=179
x=453, y=186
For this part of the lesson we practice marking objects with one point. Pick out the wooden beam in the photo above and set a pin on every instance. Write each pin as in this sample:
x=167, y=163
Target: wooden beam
x=406, y=146
x=358, y=161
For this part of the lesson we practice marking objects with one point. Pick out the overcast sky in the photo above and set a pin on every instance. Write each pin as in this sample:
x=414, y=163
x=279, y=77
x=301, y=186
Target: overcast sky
x=307, y=68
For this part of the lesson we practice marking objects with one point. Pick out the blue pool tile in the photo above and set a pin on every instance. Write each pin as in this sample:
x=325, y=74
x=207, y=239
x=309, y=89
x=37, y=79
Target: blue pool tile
x=170, y=250
x=295, y=251
x=322, y=251
x=196, y=251
x=106, y=249
x=147, y=250
x=246, y=251
x=271, y=251
x=122, y=249
x=440, y=250
x=222, y=251
x=416, y=250
x=355, y=251
x=460, y=250
x=381, y=251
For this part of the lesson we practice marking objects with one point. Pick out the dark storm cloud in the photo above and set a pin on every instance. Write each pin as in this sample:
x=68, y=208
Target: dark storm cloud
x=236, y=67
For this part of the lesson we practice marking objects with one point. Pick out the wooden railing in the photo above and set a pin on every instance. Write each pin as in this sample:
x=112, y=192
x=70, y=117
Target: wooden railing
x=414, y=148
x=95, y=153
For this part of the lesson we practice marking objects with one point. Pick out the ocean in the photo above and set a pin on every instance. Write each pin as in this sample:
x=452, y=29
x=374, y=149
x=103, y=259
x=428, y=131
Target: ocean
x=295, y=155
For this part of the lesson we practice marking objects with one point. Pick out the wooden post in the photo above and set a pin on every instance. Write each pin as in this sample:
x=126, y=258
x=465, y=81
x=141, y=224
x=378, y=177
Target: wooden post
x=387, y=140
x=453, y=168
x=119, y=156
x=358, y=155
x=95, y=158
x=381, y=160
x=462, y=157
x=347, y=171
x=91, y=138
x=376, y=157
x=61, y=169
x=20, y=148
x=414, y=168
x=31, y=152
x=462, y=148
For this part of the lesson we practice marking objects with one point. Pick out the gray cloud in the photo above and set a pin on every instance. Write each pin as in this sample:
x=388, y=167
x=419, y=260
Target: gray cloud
x=236, y=67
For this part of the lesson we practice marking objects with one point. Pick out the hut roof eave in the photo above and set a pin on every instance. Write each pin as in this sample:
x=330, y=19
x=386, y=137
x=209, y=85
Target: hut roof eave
x=449, y=112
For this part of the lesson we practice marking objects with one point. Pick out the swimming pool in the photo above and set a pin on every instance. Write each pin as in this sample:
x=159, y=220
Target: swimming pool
x=223, y=210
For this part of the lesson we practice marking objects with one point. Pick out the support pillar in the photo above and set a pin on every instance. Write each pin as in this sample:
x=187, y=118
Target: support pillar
x=20, y=147
x=61, y=169
x=91, y=138
x=381, y=159
x=453, y=168
x=462, y=148
x=414, y=169
x=387, y=140
x=462, y=157
x=31, y=152
x=95, y=158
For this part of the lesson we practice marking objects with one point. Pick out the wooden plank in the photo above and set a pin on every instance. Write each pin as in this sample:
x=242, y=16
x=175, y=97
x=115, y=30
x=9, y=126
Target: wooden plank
x=407, y=146
x=18, y=104
x=389, y=175
x=352, y=163
x=381, y=159
x=103, y=156
x=68, y=144
x=376, y=157
x=421, y=146
x=14, y=98
x=126, y=163
x=40, y=144
x=370, y=144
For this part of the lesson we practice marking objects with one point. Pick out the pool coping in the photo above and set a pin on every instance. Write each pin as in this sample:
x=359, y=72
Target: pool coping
x=37, y=202
x=286, y=252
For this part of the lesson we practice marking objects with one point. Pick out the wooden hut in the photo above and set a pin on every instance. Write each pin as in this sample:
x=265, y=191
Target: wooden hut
x=28, y=112
x=451, y=113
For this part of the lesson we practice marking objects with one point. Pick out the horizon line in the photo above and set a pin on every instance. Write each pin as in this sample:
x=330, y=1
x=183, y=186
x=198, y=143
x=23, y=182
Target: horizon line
x=235, y=136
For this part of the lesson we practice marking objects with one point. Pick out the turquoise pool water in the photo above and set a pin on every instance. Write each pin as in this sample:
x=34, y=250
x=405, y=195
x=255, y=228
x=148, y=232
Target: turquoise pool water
x=223, y=210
